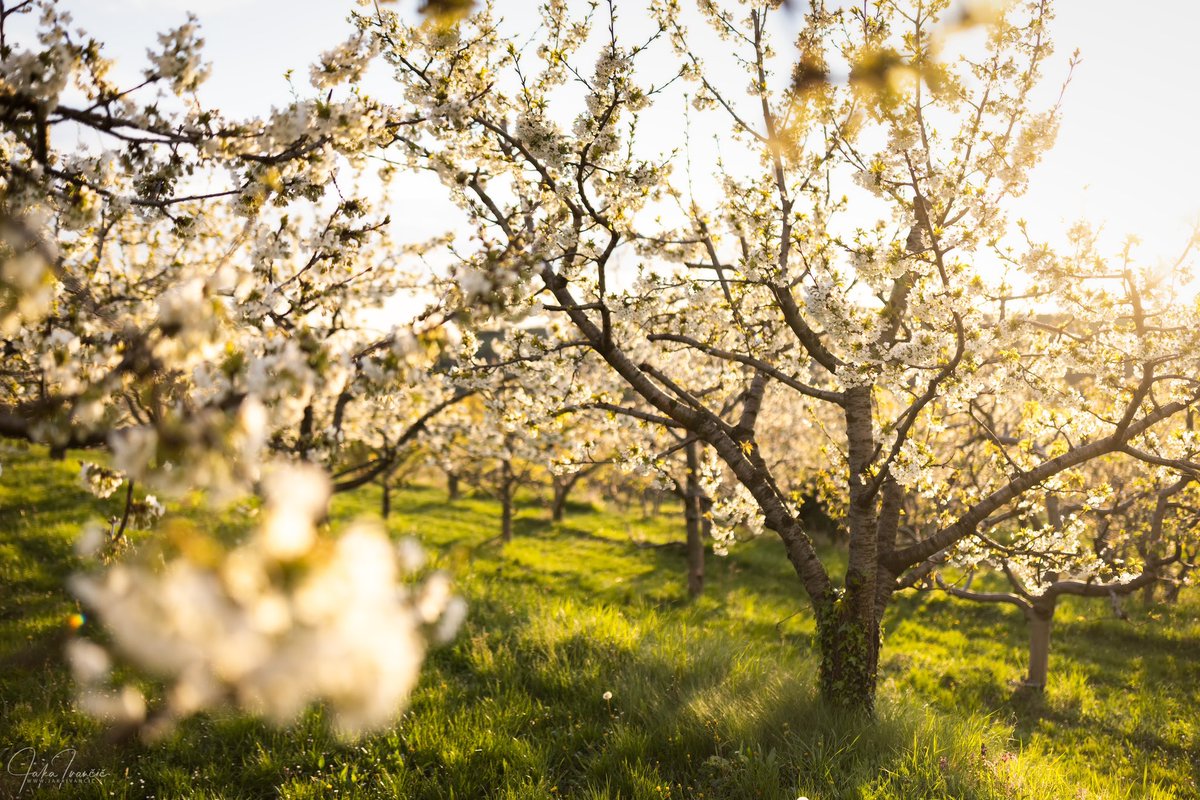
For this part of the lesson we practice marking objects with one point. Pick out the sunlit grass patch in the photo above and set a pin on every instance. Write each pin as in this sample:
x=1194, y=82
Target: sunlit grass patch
x=582, y=672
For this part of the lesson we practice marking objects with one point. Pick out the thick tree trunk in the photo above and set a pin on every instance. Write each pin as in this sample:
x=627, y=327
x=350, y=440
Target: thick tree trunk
x=849, y=657
x=452, y=488
x=1039, y=618
x=848, y=624
x=693, y=502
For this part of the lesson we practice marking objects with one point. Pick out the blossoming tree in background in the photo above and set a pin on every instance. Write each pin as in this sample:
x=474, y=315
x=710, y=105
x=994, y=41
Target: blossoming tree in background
x=862, y=262
x=501, y=438
x=593, y=420
x=1106, y=541
x=1112, y=525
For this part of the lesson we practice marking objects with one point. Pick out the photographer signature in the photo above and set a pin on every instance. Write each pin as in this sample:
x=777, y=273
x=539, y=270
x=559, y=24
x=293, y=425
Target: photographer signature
x=57, y=770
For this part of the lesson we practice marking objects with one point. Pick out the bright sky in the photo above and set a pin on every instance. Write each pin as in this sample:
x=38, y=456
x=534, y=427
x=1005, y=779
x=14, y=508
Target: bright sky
x=1127, y=152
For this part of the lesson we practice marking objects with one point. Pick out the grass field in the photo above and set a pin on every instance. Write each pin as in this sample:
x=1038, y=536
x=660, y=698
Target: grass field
x=713, y=699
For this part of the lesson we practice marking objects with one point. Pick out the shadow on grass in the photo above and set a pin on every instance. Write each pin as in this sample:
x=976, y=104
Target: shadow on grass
x=709, y=698
x=1119, y=697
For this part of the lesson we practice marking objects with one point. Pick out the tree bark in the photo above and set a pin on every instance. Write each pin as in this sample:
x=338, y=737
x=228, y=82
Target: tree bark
x=1171, y=592
x=386, y=501
x=452, y=488
x=558, y=504
x=1039, y=618
x=563, y=484
x=1148, y=593
x=848, y=622
x=506, y=502
x=693, y=503
x=849, y=649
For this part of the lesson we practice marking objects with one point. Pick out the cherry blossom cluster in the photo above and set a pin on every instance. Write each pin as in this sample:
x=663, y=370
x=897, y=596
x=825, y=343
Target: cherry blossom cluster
x=288, y=618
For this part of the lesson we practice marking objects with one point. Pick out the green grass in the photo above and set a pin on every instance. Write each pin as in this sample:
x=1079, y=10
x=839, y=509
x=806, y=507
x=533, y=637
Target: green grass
x=711, y=699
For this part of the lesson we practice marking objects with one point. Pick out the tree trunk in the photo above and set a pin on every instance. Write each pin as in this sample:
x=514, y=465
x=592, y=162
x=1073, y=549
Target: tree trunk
x=506, y=503
x=1148, y=592
x=848, y=622
x=695, y=557
x=452, y=489
x=563, y=484
x=386, y=502
x=1171, y=592
x=1039, y=618
x=694, y=514
x=558, y=504
x=849, y=657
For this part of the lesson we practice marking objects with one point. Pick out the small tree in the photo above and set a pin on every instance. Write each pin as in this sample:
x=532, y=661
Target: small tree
x=490, y=447
x=1105, y=539
x=598, y=421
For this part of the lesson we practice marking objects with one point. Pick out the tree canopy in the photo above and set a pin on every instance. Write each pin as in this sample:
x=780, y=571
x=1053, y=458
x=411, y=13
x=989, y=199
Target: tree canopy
x=853, y=317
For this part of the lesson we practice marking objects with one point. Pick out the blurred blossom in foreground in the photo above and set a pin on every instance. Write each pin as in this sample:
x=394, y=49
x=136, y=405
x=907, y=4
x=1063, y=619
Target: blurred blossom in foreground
x=287, y=619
